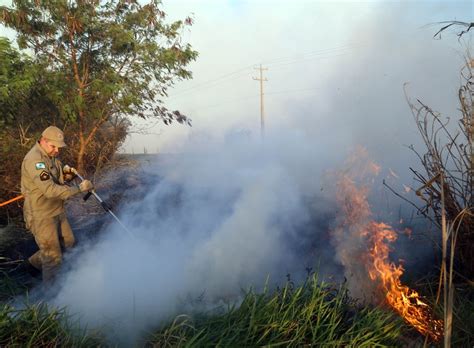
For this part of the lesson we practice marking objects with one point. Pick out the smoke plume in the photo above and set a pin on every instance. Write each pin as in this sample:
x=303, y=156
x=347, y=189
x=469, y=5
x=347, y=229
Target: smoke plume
x=217, y=219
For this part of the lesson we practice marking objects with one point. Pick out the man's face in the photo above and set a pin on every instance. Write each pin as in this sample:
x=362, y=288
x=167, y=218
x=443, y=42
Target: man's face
x=51, y=150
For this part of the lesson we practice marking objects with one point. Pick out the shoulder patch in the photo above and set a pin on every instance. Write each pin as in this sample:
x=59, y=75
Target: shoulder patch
x=40, y=165
x=44, y=175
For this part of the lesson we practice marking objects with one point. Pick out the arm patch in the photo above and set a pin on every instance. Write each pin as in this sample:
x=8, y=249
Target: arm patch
x=44, y=175
x=40, y=165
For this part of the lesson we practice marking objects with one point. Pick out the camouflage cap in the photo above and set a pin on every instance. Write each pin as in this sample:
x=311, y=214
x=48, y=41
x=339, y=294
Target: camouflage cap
x=54, y=135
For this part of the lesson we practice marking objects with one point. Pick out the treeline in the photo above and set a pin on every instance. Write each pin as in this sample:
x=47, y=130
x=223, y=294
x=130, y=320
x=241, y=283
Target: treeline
x=87, y=67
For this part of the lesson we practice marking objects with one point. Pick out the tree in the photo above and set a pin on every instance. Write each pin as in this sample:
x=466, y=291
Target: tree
x=22, y=102
x=22, y=94
x=104, y=61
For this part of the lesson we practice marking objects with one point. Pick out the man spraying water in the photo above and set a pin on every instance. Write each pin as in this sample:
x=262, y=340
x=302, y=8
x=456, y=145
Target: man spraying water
x=44, y=186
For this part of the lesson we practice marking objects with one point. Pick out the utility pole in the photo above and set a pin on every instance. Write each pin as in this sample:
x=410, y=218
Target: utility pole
x=262, y=109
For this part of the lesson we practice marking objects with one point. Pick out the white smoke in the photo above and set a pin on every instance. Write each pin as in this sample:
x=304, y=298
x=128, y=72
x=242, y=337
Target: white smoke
x=221, y=218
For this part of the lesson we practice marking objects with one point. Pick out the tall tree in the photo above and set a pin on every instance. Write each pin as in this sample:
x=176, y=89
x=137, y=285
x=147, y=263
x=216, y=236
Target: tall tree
x=104, y=60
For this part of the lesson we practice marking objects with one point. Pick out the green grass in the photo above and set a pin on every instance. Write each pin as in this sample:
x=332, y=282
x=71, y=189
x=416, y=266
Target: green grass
x=313, y=314
x=39, y=326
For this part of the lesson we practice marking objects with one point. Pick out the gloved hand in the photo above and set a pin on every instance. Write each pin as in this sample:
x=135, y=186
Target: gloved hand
x=69, y=173
x=85, y=186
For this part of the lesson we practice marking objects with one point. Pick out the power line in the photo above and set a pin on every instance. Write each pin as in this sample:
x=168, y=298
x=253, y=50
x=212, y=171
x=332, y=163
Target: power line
x=217, y=79
x=254, y=96
x=288, y=60
x=294, y=90
x=231, y=101
x=304, y=60
x=298, y=57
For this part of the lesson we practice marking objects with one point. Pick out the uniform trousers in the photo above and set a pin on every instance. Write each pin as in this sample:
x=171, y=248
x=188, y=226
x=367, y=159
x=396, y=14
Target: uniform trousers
x=52, y=235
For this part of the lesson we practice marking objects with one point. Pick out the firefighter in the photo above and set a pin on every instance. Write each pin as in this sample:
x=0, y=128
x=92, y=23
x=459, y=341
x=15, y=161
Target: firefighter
x=43, y=184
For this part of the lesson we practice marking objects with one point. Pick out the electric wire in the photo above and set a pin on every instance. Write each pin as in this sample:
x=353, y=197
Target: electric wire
x=213, y=81
x=282, y=61
x=254, y=96
x=304, y=56
x=304, y=60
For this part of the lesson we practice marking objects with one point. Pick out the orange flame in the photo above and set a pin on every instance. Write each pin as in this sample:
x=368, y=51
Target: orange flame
x=402, y=299
x=358, y=235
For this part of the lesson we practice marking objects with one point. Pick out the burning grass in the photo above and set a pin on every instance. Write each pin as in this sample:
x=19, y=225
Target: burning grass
x=364, y=247
x=405, y=301
x=313, y=313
